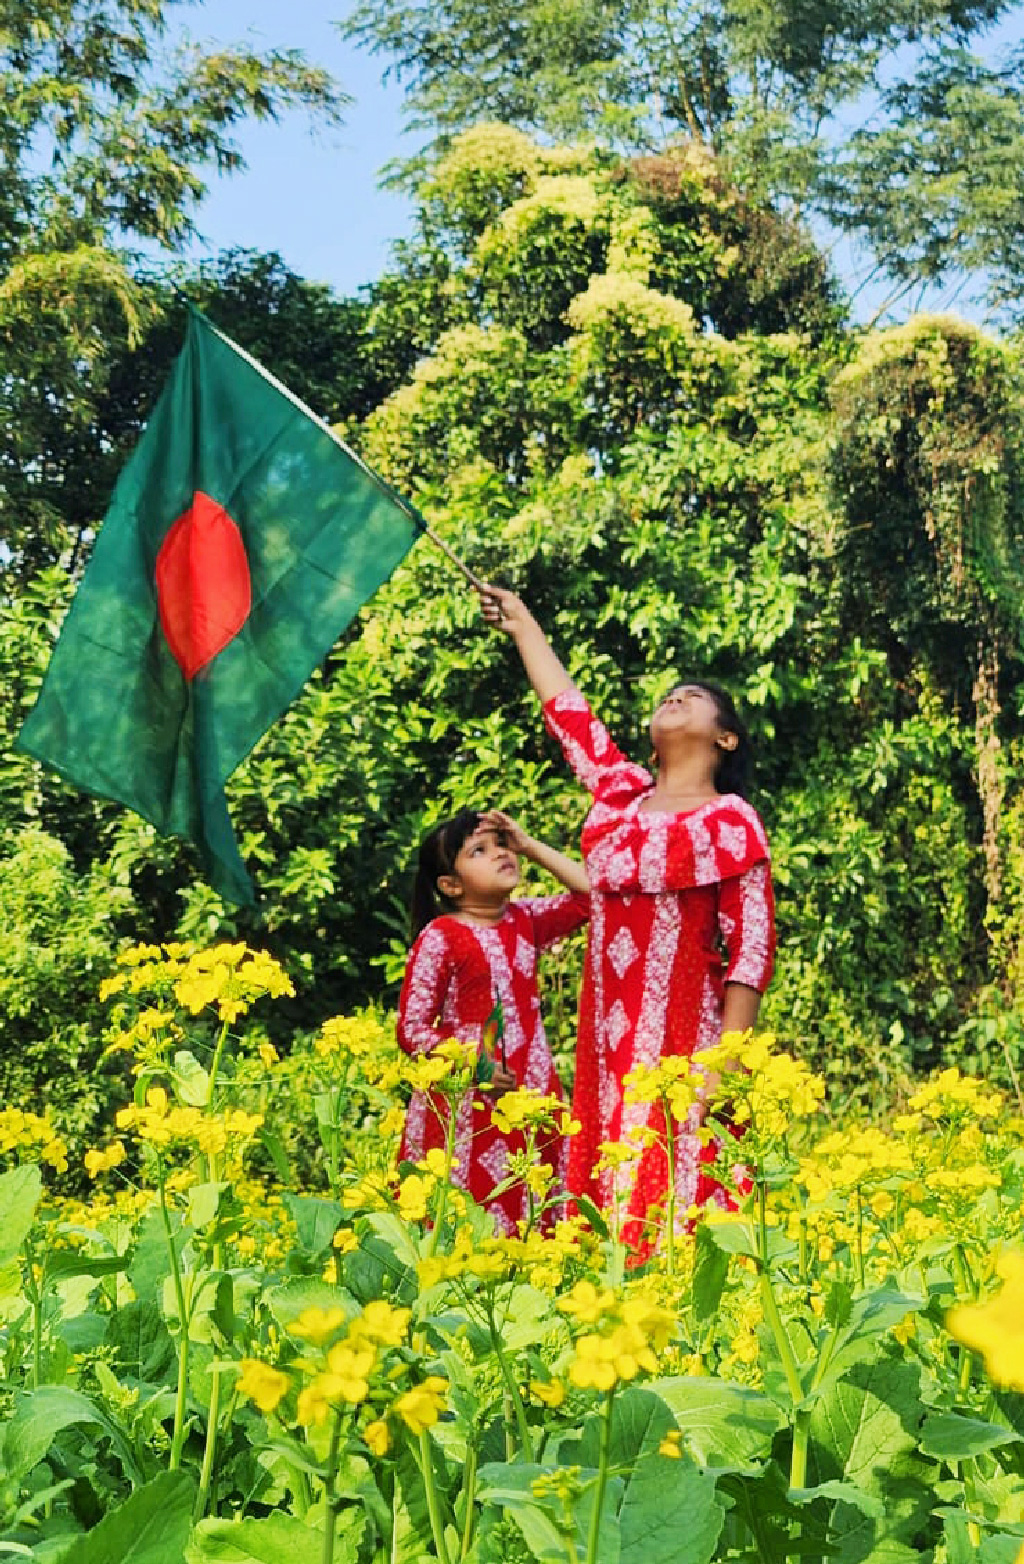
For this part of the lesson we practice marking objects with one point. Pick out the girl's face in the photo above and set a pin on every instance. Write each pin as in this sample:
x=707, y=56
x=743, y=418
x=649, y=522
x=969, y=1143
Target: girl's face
x=485, y=869
x=687, y=709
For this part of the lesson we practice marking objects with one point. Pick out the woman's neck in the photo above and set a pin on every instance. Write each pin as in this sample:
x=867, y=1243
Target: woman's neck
x=686, y=777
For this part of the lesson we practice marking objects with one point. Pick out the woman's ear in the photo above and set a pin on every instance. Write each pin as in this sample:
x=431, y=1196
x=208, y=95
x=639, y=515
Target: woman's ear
x=727, y=740
x=450, y=886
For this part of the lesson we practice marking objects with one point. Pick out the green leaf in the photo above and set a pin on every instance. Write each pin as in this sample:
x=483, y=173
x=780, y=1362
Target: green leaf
x=668, y=1513
x=66, y=1263
x=710, y=1269
x=741, y=1237
x=191, y=1081
x=288, y=1301
x=151, y=1527
x=725, y=1425
x=273, y=1539
x=143, y=1349
x=950, y=1437
x=593, y=1215
x=865, y=1432
x=316, y=1219
x=204, y=1202
x=511, y=1487
x=870, y=1317
x=40, y=1415
x=151, y=1262
x=274, y=1147
x=10, y=1279
x=20, y=1189
x=395, y=1234
x=869, y=1503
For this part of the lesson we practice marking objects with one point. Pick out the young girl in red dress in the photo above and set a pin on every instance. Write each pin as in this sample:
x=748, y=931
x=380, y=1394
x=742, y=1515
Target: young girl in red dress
x=682, y=933
x=473, y=947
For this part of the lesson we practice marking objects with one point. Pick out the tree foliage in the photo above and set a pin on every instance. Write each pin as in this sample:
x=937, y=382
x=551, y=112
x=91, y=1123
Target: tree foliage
x=899, y=123
x=106, y=143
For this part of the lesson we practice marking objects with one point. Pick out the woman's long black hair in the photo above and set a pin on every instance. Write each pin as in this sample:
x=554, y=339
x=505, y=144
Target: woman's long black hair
x=733, y=772
x=438, y=853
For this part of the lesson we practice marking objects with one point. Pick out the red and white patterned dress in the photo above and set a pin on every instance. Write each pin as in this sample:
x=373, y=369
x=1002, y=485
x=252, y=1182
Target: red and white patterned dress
x=681, y=904
x=455, y=972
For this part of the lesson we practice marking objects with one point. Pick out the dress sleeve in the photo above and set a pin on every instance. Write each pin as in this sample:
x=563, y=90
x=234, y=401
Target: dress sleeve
x=429, y=971
x=590, y=750
x=554, y=917
x=746, y=918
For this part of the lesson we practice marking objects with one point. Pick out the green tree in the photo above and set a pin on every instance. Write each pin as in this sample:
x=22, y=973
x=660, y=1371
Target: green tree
x=899, y=122
x=926, y=463
x=106, y=145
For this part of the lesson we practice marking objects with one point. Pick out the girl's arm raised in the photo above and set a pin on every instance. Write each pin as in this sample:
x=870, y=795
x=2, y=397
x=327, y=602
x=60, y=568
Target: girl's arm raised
x=508, y=612
x=569, y=871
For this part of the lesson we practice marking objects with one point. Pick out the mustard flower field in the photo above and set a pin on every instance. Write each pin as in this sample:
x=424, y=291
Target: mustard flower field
x=259, y=1340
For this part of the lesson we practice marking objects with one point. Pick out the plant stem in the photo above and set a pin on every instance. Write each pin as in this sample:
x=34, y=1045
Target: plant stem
x=215, y=1062
x=468, y=1494
x=798, y=1463
x=34, y=1289
x=594, y=1530
x=790, y=1366
x=525, y=1440
x=210, y=1450
x=178, y=1438
x=430, y=1492
x=762, y=1224
x=327, y=1554
x=449, y=1158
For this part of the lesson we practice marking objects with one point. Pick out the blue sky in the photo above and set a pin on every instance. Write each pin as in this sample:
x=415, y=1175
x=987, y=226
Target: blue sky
x=313, y=198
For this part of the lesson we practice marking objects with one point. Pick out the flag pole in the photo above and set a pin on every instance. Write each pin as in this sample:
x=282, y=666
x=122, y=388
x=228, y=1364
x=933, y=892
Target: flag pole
x=474, y=581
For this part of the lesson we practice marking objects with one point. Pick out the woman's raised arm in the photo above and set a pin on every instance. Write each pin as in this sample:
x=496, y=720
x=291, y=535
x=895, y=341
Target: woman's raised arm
x=508, y=612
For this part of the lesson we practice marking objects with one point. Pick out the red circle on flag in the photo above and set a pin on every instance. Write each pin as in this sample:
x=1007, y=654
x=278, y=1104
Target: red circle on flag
x=203, y=587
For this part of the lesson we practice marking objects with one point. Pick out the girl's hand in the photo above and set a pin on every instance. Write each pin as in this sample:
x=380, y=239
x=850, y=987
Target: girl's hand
x=504, y=610
x=501, y=1081
x=514, y=835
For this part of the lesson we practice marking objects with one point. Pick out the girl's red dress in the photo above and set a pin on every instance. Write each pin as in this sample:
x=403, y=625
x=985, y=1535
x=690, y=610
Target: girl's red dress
x=454, y=973
x=681, y=904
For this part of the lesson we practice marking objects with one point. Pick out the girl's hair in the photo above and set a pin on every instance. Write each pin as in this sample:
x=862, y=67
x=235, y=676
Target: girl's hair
x=438, y=853
x=732, y=774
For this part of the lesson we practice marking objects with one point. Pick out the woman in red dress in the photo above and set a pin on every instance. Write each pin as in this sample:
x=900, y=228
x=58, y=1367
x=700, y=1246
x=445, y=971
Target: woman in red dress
x=682, y=933
x=475, y=946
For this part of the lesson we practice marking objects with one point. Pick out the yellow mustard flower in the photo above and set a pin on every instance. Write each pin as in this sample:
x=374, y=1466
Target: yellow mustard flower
x=413, y=1194
x=377, y=1437
x=349, y=1366
x=420, y=1407
x=314, y=1403
x=551, y=1392
x=435, y=1163
x=317, y=1325
x=995, y=1327
x=263, y=1384
x=97, y=1162
x=586, y=1303
x=381, y=1322
x=525, y=1109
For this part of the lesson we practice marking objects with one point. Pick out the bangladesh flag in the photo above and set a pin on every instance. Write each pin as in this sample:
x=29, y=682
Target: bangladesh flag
x=240, y=541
